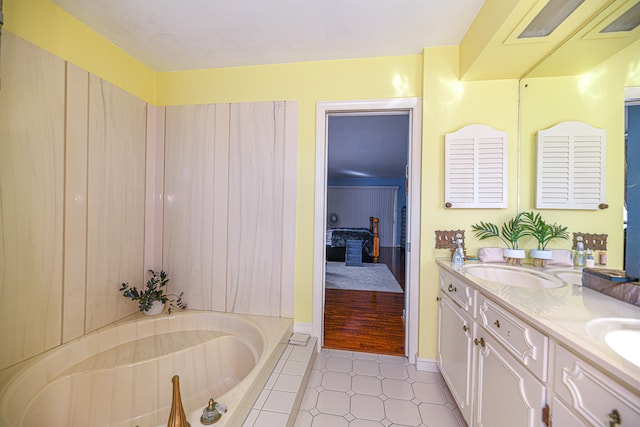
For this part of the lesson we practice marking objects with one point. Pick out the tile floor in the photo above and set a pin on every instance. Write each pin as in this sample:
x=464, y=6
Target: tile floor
x=349, y=389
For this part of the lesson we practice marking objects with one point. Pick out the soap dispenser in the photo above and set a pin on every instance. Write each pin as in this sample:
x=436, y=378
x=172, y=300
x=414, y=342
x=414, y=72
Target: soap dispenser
x=580, y=255
x=458, y=255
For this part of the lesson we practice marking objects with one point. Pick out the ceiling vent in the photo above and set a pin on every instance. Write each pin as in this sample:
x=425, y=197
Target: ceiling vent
x=625, y=22
x=549, y=18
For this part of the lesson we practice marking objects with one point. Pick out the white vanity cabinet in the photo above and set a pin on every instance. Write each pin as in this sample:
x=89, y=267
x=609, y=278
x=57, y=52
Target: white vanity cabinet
x=486, y=355
x=455, y=352
x=584, y=396
x=508, y=394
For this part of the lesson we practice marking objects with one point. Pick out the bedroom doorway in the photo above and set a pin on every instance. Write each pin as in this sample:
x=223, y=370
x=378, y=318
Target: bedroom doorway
x=347, y=195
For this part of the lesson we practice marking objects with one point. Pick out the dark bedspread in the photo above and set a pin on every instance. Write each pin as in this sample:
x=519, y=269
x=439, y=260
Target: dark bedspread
x=337, y=238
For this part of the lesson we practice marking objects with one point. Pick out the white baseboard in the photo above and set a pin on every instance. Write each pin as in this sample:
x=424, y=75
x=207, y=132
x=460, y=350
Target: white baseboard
x=428, y=365
x=303, y=328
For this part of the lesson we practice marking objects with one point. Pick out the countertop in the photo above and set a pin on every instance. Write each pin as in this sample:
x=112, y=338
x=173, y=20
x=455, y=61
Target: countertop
x=563, y=314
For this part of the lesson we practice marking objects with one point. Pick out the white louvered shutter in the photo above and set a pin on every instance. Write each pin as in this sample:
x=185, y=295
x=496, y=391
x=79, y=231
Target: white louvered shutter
x=571, y=167
x=476, y=168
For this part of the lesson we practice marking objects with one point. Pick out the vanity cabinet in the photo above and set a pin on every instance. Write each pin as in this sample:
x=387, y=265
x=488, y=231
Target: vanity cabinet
x=584, y=396
x=455, y=352
x=485, y=359
x=508, y=394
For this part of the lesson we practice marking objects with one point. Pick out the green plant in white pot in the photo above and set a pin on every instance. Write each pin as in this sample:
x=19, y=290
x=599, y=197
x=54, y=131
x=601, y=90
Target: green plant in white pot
x=152, y=298
x=510, y=233
x=544, y=233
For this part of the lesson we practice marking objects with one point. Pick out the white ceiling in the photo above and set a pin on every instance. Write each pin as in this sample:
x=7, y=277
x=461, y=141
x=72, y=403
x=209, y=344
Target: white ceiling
x=169, y=35
x=368, y=146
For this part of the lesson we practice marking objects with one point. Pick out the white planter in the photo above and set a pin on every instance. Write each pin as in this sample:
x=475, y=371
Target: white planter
x=540, y=254
x=156, y=308
x=515, y=253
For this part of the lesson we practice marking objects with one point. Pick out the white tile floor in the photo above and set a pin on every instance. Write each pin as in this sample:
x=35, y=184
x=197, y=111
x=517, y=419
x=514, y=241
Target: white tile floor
x=348, y=389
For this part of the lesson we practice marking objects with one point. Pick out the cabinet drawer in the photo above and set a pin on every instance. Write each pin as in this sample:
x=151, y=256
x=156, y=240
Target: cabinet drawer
x=591, y=394
x=458, y=291
x=525, y=343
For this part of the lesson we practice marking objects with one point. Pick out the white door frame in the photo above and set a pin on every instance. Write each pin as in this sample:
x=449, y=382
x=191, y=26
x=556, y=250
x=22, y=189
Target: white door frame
x=414, y=107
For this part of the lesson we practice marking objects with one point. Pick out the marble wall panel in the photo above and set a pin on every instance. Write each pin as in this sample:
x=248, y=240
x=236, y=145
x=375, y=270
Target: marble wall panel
x=31, y=199
x=154, y=188
x=116, y=201
x=75, y=199
x=256, y=209
x=189, y=206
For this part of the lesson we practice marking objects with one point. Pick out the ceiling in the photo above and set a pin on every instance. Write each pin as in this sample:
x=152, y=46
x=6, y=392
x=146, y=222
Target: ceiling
x=366, y=146
x=169, y=35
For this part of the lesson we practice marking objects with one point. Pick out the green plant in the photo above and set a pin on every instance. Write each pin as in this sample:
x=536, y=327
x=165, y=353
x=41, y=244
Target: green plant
x=153, y=291
x=541, y=230
x=510, y=232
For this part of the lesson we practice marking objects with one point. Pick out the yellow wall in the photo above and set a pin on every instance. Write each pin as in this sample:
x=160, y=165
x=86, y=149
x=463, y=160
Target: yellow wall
x=450, y=104
x=46, y=25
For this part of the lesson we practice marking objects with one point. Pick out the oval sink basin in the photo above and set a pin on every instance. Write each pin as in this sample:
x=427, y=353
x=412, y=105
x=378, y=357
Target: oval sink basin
x=570, y=276
x=513, y=276
x=620, y=334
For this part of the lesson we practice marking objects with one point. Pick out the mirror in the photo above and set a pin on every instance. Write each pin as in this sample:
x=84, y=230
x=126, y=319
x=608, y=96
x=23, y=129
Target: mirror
x=584, y=80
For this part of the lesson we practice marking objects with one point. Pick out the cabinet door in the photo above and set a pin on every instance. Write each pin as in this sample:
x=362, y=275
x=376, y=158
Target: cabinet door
x=455, y=353
x=593, y=395
x=508, y=394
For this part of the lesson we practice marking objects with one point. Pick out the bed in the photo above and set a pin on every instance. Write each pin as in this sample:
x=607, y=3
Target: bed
x=337, y=241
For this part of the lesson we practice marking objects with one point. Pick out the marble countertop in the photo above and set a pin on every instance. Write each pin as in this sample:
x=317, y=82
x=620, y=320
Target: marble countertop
x=563, y=314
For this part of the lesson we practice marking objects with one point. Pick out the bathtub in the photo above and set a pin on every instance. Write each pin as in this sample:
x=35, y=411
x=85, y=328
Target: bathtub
x=121, y=374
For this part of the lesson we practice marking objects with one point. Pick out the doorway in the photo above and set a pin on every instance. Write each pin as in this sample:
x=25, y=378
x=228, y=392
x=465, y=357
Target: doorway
x=409, y=107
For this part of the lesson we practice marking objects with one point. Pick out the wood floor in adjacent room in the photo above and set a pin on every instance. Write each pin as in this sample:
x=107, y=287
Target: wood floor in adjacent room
x=368, y=321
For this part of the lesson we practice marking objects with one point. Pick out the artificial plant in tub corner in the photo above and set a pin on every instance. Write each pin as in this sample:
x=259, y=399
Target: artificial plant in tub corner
x=510, y=233
x=152, y=298
x=544, y=233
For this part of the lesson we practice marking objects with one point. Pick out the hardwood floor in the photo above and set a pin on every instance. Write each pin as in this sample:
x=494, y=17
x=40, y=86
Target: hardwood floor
x=366, y=321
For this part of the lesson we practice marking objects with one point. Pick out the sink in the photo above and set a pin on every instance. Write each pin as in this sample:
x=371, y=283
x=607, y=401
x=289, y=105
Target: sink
x=568, y=275
x=513, y=276
x=622, y=335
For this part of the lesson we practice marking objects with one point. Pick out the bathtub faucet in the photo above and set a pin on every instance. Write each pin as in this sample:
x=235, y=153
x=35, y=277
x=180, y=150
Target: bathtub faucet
x=177, y=417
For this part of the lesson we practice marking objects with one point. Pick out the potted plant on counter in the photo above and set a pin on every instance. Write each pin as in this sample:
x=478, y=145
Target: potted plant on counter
x=543, y=233
x=152, y=298
x=510, y=233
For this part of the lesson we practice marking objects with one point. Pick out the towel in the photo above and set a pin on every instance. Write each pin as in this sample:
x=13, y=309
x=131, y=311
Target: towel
x=561, y=257
x=491, y=255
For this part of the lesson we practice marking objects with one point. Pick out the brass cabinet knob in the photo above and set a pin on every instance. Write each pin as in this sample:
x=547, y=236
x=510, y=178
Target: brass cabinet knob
x=614, y=418
x=497, y=323
x=465, y=328
x=479, y=342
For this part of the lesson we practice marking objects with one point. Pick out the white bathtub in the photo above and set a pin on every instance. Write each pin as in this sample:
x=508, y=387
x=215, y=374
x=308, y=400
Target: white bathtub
x=121, y=375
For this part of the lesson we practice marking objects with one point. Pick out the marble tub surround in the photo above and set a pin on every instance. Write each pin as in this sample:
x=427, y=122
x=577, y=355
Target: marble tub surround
x=564, y=313
x=229, y=208
x=125, y=371
x=97, y=187
x=279, y=401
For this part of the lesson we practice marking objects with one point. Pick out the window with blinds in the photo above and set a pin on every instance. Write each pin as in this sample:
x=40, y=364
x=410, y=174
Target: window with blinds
x=571, y=167
x=476, y=168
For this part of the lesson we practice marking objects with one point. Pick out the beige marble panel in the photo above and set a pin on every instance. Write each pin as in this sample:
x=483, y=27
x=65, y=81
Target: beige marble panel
x=31, y=199
x=75, y=199
x=154, y=188
x=256, y=209
x=116, y=200
x=188, y=237
x=289, y=213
